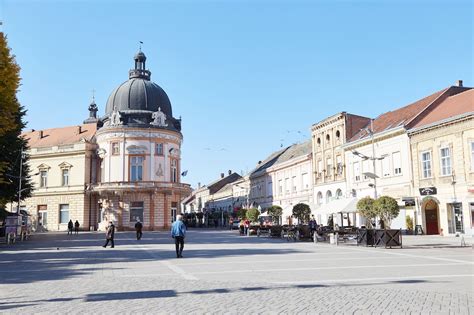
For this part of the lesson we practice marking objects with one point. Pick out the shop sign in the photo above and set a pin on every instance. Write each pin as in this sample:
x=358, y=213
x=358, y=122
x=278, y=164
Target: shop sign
x=428, y=191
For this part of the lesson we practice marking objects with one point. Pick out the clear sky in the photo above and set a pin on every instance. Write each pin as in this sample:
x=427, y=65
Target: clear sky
x=245, y=76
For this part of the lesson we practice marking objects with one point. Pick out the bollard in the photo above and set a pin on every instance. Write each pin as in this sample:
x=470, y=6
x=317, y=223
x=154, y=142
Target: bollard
x=463, y=242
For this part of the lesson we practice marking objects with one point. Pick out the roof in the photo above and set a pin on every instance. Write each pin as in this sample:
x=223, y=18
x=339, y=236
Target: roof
x=398, y=117
x=60, y=136
x=294, y=151
x=268, y=162
x=218, y=184
x=452, y=106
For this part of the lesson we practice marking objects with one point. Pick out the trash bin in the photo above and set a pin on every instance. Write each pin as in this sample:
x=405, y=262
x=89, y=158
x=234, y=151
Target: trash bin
x=333, y=238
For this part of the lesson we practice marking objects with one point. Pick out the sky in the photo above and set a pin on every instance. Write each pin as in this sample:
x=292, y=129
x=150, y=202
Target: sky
x=245, y=76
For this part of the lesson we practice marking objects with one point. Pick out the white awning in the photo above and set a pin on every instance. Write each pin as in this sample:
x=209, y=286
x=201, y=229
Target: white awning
x=343, y=205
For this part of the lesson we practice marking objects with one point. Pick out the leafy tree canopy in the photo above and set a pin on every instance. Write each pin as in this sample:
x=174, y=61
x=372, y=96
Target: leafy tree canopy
x=302, y=211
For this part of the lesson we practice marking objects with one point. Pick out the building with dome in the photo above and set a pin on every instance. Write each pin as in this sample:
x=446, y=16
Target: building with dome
x=123, y=166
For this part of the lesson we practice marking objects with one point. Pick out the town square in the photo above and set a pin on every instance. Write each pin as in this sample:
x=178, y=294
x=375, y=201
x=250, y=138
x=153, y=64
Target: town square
x=238, y=157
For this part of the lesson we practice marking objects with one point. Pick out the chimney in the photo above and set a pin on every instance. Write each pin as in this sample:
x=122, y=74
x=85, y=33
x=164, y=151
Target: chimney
x=79, y=130
x=199, y=185
x=222, y=175
x=40, y=134
x=230, y=172
x=459, y=83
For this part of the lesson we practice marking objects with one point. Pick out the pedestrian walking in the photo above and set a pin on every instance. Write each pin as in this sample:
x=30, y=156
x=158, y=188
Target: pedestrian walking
x=178, y=232
x=138, y=229
x=312, y=225
x=76, y=227
x=109, y=235
x=70, y=225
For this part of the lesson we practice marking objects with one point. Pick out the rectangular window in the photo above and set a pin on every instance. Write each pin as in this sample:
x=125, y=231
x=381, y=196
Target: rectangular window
x=445, y=161
x=386, y=167
x=397, y=163
x=159, y=148
x=329, y=166
x=426, y=164
x=280, y=187
x=472, y=156
x=320, y=166
x=269, y=189
x=136, y=168
x=63, y=214
x=365, y=168
x=356, y=171
x=293, y=183
x=305, y=180
x=287, y=187
x=43, y=178
x=136, y=211
x=174, y=171
x=115, y=148
x=65, y=177
x=339, y=167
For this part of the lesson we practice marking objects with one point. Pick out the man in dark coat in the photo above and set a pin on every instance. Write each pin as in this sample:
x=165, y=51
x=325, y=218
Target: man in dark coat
x=70, y=225
x=76, y=227
x=109, y=235
x=138, y=228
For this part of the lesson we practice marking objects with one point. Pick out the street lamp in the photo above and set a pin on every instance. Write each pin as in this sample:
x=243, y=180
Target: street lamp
x=373, y=158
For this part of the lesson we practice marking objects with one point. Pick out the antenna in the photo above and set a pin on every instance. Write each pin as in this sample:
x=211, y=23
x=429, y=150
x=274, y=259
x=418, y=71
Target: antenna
x=93, y=95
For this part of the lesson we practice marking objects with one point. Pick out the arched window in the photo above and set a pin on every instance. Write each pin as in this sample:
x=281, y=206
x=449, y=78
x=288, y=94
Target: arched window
x=328, y=196
x=338, y=193
x=338, y=134
x=320, y=198
x=318, y=141
x=328, y=137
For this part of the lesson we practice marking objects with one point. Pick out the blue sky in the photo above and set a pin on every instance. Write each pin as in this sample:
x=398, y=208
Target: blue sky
x=245, y=76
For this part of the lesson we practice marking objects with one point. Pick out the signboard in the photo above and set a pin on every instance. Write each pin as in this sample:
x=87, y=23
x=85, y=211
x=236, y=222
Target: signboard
x=428, y=191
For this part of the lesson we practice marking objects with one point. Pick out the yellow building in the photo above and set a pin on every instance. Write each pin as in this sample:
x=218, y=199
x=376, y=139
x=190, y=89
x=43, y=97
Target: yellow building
x=442, y=149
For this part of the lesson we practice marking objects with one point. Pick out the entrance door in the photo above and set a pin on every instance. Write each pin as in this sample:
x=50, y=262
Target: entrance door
x=431, y=216
x=43, y=216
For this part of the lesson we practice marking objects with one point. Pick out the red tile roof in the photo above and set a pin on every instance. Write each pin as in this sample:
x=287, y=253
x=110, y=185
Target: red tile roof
x=407, y=114
x=452, y=106
x=60, y=136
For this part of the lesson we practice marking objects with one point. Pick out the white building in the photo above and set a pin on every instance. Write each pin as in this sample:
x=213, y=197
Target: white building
x=383, y=149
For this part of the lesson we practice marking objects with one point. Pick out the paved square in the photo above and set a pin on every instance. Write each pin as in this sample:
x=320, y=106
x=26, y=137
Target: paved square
x=224, y=273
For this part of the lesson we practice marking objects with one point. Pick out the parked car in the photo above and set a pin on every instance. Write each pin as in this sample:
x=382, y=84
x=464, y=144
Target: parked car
x=235, y=225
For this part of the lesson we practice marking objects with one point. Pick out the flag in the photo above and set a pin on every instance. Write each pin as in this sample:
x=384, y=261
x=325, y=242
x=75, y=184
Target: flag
x=184, y=173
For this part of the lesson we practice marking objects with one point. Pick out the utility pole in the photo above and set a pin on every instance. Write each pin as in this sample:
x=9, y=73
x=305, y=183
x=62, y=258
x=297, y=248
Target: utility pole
x=19, y=180
x=373, y=156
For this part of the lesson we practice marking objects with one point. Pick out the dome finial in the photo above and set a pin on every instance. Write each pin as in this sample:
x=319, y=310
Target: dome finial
x=140, y=46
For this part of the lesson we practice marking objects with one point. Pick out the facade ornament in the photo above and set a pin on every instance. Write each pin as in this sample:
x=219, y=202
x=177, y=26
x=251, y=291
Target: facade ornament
x=115, y=119
x=159, y=119
x=159, y=172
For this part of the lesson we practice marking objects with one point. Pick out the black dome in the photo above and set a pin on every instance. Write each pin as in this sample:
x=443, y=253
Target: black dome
x=138, y=94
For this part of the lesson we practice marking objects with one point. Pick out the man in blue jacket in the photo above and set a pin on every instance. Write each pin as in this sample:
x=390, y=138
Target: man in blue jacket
x=178, y=232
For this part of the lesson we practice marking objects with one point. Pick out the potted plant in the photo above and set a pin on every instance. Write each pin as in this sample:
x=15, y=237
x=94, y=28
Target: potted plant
x=409, y=224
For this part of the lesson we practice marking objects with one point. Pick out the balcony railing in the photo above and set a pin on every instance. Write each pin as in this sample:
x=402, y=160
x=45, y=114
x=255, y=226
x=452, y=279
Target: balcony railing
x=141, y=186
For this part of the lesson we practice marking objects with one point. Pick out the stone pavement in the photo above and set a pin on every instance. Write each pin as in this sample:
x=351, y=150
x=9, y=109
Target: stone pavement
x=225, y=273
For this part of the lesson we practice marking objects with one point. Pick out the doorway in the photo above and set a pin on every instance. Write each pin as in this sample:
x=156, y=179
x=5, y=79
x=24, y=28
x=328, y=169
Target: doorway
x=431, y=217
x=42, y=217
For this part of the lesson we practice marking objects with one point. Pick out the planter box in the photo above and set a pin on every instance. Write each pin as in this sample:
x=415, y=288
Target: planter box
x=275, y=231
x=388, y=238
x=366, y=237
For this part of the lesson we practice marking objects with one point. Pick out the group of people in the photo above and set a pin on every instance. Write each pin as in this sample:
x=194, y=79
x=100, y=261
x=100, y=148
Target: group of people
x=178, y=233
x=74, y=226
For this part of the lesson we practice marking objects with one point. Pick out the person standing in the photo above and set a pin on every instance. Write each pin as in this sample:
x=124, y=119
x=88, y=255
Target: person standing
x=178, y=232
x=138, y=229
x=109, y=235
x=312, y=225
x=76, y=227
x=70, y=225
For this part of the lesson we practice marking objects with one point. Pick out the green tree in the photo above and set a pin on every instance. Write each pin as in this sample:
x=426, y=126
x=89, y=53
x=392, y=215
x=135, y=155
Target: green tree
x=366, y=209
x=242, y=213
x=387, y=209
x=301, y=211
x=252, y=214
x=11, y=124
x=275, y=212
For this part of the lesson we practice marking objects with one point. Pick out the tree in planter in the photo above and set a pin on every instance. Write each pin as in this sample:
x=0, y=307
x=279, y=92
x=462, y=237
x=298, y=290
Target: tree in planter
x=387, y=209
x=252, y=214
x=366, y=208
x=242, y=214
x=275, y=212
x=302, y=212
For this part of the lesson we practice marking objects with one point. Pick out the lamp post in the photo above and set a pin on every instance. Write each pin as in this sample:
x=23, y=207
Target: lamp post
x=22, y=156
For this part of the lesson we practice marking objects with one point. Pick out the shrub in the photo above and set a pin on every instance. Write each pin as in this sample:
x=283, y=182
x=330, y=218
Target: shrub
x=275, y=212
x=366, y=208
x=387, y=209
x=252, y=214
x=409, y=223
x=301, y=211
x=242, y=213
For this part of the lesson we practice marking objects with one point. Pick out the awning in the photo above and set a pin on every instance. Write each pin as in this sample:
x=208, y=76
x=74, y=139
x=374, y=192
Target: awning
x=343, y=205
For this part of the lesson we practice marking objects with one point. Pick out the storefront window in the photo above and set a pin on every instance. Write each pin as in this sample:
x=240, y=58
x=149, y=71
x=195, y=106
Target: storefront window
x=455, y=218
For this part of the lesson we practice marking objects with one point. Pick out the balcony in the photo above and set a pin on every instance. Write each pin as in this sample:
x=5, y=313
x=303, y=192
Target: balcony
x=142, y=186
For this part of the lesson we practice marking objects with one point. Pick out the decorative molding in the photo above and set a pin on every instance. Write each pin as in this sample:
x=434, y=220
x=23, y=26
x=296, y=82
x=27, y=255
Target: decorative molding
x=135, y=149
x=65, y=165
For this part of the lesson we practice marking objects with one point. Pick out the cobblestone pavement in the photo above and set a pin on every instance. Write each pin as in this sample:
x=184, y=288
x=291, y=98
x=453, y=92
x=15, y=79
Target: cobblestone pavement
x=225, y=273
